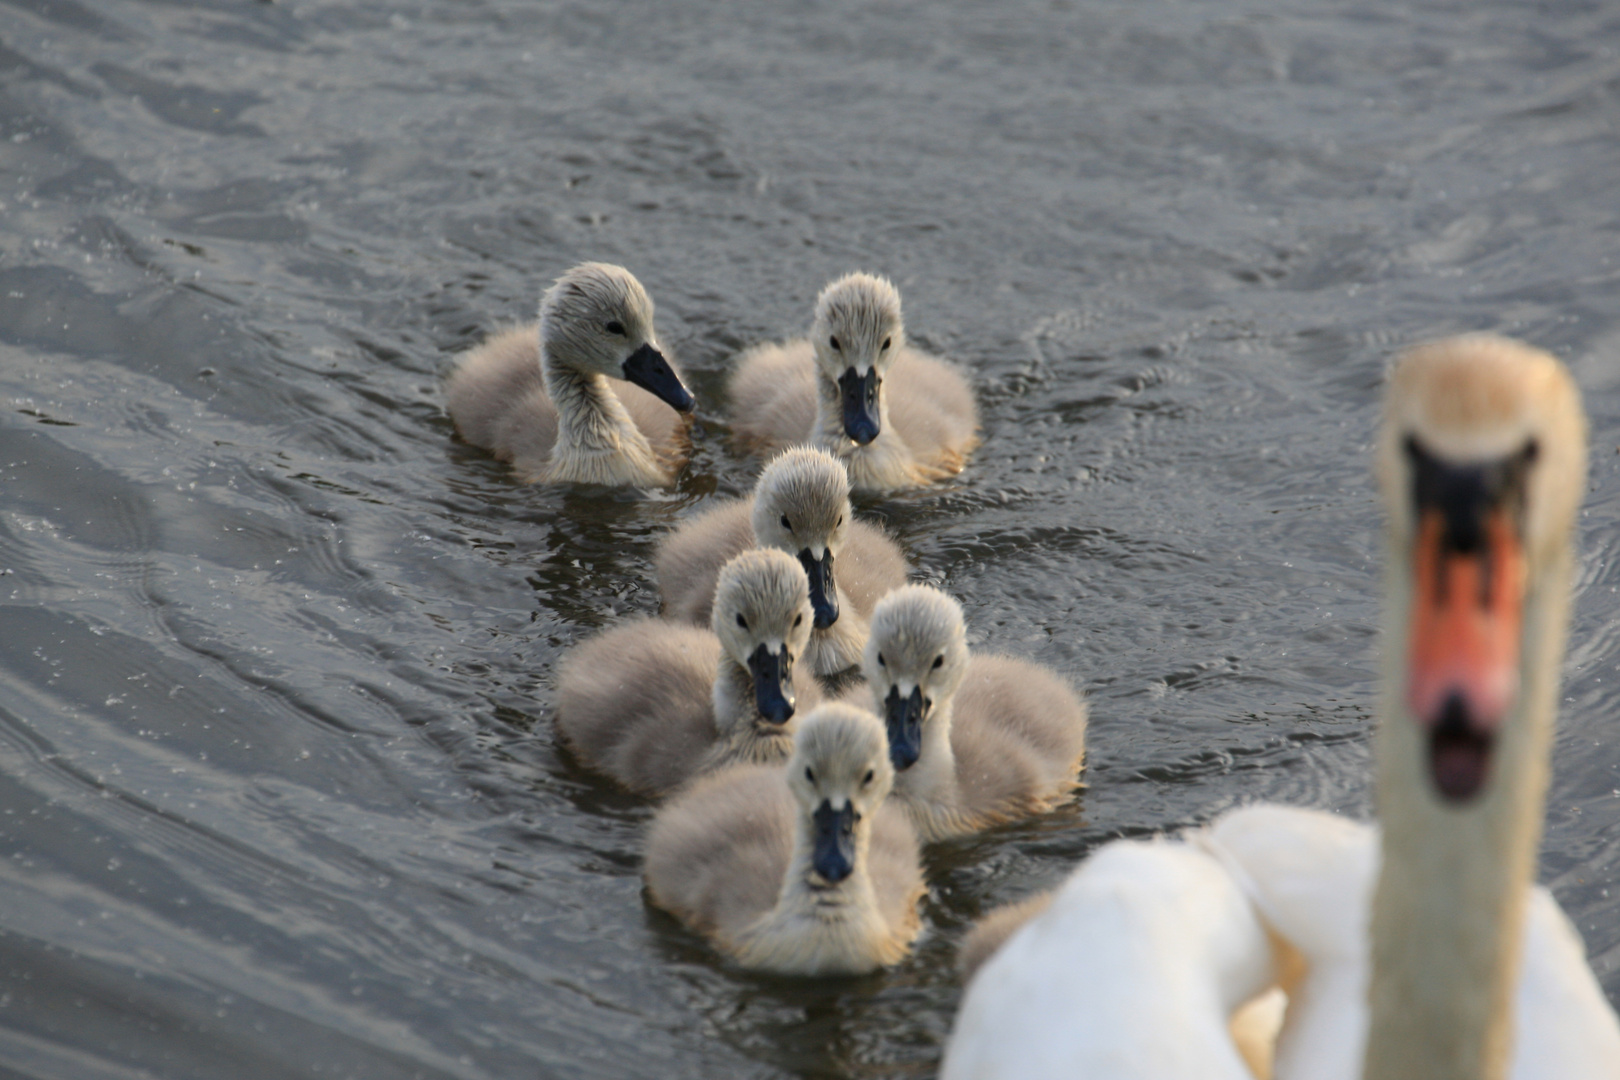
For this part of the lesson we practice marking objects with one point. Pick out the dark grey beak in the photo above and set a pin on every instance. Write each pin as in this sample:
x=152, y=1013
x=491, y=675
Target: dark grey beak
x=833, y=855
x=647, y=368
x=773, y=684
x=860, y=405
x=823, y=593
x=904, y=717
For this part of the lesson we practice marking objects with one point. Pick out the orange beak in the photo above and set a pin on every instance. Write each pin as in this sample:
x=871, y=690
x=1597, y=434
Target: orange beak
x=1463, y=661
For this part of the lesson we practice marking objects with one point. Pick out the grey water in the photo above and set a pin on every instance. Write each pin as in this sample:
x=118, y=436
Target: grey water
x=279, y=790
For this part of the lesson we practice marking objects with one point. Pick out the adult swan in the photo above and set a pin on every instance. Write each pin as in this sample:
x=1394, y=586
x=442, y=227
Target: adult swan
x=1482, y=462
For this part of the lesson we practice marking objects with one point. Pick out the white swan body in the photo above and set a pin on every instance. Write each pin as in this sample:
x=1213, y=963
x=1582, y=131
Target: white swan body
x=803, y=870
x=801, y=506
x=1450, y=967
x=976, y=740
x=1564, y=1027
x=895, y=416
x=1308, y=877
x=1131, y=973
x=652, y=703
x=1311, y=875
x=552, y=398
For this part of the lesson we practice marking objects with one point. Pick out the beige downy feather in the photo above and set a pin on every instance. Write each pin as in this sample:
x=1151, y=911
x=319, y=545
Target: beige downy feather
x=734, y=856
x=652, y=703
x=1001, y=738
x=800, y=505
x=788, y=393
x=550, y=399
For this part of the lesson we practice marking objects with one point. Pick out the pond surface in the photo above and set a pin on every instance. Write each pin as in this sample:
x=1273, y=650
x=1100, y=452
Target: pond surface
x=279, y=790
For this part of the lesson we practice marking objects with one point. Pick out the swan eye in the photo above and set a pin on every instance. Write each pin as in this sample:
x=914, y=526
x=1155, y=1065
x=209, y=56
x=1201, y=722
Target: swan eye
x=742, y=622
x=886, y=342
x=939, y=661
x=867, y=779
x=880, y=661
x=928, y=703
x=840, y=524
x=615, y=327
x=797, y=619
x=834, y=343
x=786, y=524
x=809, y=774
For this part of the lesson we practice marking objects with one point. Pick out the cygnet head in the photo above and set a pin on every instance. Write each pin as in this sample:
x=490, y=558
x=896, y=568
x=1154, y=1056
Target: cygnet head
x=801, y=506
x=916, y=656
x=840, y=773
x=597, y=319
x=856, y=333
x=1483, y=465
x=762, y=617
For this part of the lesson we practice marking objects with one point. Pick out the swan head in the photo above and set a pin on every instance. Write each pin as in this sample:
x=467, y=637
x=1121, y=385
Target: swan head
x=762, y=617
x=1482, y=461
x=597, y=319
x=801, y=506
x=839, y=773
x=856, y=334
x=915, y=658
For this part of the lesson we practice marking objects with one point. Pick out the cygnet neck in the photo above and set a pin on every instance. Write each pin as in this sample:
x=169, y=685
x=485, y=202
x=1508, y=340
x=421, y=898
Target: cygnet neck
x=745, y=735
x=591, y=421
x=805, y=895
x=883, y=462
x=929, y=789
x=817, y=927
x=932, y=778
x=838, y=647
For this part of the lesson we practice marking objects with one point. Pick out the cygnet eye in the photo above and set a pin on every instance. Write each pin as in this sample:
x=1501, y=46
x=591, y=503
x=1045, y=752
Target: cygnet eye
x=880, y=661
x=886, y=342
x=786, y=524
x=840, y=524
x=615, y=327
x=834, y=343
x=809, y=774
x=742, y=622
x=797, y=619
x=867, y=779
x=938, y=661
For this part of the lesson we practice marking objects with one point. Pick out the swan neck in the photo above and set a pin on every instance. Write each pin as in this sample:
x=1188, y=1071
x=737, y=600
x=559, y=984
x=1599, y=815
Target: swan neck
x=1454, y=879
